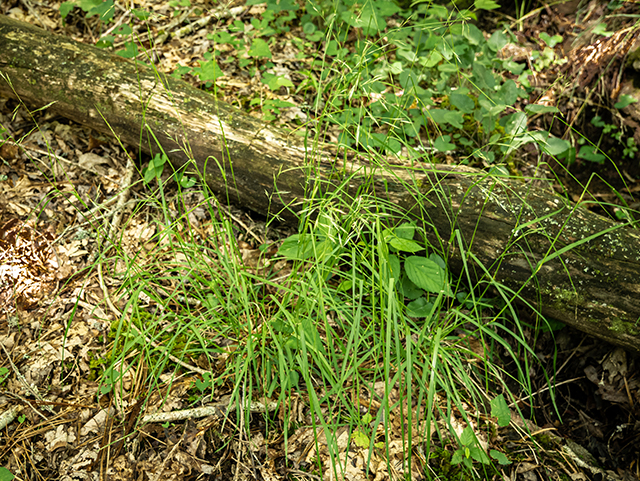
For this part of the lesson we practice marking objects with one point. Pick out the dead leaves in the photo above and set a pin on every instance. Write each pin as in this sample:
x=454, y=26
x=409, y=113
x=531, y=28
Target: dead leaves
x=28, y=267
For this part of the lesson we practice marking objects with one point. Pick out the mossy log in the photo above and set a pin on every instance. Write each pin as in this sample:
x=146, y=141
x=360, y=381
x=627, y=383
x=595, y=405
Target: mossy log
x=571, y=264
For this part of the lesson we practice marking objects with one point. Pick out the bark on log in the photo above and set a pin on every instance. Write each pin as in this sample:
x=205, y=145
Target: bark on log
x=574, y=265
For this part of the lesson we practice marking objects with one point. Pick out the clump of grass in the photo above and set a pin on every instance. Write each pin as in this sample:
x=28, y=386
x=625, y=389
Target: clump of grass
x=366, y=323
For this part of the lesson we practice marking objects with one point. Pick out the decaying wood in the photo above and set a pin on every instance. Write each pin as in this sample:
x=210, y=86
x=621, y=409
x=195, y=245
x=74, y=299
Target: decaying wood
x=570, y=263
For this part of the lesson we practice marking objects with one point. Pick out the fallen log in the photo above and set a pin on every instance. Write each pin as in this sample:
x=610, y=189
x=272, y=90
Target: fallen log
x=568, y=262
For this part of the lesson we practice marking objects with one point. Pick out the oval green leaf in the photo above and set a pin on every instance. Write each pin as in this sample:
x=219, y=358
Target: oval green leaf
x=426, y=274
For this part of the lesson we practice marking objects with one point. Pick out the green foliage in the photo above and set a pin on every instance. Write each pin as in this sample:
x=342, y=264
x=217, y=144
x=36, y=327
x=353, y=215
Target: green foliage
x=469, y=450
x=367, y=298
x=103, y=8
x=154, y=168
x=416, y=277
x=625, y=101
x=500, y=410
x=433, y=84
x=5, y=474
x=206, y=384
x=593, y=153
x=4, y=374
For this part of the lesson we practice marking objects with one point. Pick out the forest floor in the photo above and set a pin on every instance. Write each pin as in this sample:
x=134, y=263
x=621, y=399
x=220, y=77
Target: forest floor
x=67, y=428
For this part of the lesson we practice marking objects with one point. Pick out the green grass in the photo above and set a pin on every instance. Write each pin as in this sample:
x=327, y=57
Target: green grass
x=334, y=329
x=331, y=326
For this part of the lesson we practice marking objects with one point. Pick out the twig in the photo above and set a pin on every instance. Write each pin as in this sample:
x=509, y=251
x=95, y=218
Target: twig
x=123, y=196
x=24, y=382
x=217, y=409
x=34, y=12
x=8, y=416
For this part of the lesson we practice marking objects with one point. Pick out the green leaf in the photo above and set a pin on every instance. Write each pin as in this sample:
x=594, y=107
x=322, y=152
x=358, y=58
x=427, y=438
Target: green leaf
x=208, y=71
x=589, y=152
x=509, y=92
x=467, y=438
x=462, y=102
x=123, y=30
x=432, y=60
x=405, y=245
x=442, y=144
x=409, y=290
x=323, y=250
x=276, y=81
x=361, y=439
x=130, y=50
x=624, y=101
x=102, y=8
x=426, y=274
x=326, y=225
x=420, y=308
x=65, y=8
x=497, y=40
x=296, y=247
x=515, y=123
x=439, y=11
x=486, y=5
x=499, y=171
x=141, y=14
x=205, y=384
x=105, y=42
x=601, y=29
x=293, y=380
x=408, y=55
x=500, y=457
x=309, y=28
x=457, y=457
x=155, y=168
x=549, y=40
x=454, y=118
x=438, y=260
x=500, y=410
x=394, y=267
x=311, y=335
x=513, y=67
x=483, y=76
x=555, y=146
x=184, y=180
x=370, y=19
x=405, y=231
x=437, y=115
x=5, y=474
x=479, y=455
x=473, y=34
x=387, y=9
x=333, y=48
x=541, y=109
x=259, y=49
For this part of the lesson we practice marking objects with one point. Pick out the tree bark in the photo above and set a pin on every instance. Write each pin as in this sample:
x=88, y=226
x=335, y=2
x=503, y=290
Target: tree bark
x=571, y=264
